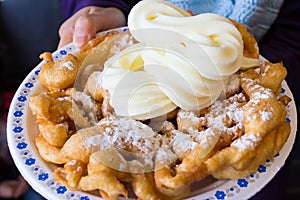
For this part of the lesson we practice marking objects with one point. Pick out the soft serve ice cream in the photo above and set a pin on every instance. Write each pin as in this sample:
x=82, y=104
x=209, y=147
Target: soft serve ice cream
x=179, y=61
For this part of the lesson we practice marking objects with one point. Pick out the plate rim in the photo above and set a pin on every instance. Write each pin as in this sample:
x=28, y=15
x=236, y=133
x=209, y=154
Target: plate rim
x=49, y=194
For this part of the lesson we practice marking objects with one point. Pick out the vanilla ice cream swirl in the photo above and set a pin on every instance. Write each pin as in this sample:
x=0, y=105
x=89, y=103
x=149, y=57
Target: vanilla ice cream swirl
x=180, y=61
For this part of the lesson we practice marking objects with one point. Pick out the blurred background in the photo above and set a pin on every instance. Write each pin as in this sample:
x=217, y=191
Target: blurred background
x=27, y=29
x=30, y=27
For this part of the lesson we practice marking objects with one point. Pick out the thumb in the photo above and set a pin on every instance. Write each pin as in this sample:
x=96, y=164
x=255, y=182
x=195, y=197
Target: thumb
x=84, y=30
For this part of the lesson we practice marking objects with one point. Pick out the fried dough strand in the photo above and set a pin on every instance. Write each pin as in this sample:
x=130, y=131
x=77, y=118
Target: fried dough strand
x=97, y=151
x=264, y=115
x=73, y=149
x=61, y=74
x=103, y=179
x=251, y=49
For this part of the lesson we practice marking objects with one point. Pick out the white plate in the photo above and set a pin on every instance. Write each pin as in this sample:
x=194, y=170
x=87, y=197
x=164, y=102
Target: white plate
x=21, y=131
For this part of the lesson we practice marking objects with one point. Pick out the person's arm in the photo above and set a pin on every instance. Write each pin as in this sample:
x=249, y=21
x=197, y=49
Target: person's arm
x=70, y=7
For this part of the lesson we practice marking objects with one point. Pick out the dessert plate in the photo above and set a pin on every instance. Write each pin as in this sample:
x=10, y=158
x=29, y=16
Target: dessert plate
x=22, y=130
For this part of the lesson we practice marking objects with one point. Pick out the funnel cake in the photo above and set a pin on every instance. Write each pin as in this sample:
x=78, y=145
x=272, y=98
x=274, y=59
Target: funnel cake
x=97, y=150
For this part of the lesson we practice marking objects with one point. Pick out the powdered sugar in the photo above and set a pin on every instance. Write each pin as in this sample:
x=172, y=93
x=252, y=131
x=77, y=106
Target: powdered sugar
x=246, y=141
x=182, y=114
x=124, y=133
x=226, y=113
x=65, y=125
x=265, y=116
x=138, y=139
x=233, y=83
x=182, y=143
x=66, y=98
x=224, y=118
x=69, y=65
x=85, y=99
x=122, y=43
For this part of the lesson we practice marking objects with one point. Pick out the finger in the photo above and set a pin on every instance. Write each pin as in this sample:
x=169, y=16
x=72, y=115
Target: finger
x=66, y=33
x=66, y=30
x=95, y=20
x=84, y=30
x=106, y=18
x=64, y=40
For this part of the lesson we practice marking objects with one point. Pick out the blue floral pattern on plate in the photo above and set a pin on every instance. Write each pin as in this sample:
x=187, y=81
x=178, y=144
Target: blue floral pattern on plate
x=40, y=176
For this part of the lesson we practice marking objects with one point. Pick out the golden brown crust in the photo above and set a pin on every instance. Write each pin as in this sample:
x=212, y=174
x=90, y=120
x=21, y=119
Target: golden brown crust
x=228, y=139
x=251, y=49
x=61, y=74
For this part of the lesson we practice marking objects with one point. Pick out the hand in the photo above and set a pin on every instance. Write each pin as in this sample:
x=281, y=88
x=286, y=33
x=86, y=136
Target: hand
x=84, y=24
x=13, y=188
x=22, y=187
